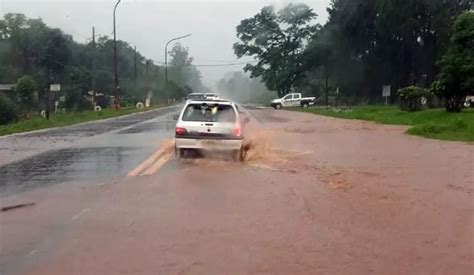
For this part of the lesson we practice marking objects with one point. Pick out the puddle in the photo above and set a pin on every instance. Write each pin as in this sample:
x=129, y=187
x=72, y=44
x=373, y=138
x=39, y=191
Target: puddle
x=148, y=127
x=64, y=165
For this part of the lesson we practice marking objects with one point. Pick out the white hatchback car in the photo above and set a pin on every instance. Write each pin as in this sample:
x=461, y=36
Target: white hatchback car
x=210, y=126
x=195, y=96
x=211, y=96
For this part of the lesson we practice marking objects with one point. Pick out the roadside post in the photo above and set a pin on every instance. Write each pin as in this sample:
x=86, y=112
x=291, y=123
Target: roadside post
x=386, y=92
x=52, y=88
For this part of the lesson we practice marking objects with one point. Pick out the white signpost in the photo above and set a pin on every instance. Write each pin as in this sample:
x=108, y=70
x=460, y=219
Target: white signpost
x=55, y=87
x=386, y=92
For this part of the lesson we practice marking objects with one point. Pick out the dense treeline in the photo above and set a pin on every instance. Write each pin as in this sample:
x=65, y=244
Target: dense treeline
x=32, y=52
x=364, y=45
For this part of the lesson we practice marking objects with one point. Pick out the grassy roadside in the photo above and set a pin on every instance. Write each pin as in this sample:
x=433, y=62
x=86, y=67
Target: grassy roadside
x=436, y=123
x=57, y=120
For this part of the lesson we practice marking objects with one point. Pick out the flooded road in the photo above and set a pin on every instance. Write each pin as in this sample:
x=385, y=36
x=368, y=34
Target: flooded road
x=97, y=151
x=315, y=195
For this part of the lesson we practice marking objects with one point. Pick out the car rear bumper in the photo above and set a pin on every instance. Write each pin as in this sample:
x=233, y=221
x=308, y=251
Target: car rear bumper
x=209, y=144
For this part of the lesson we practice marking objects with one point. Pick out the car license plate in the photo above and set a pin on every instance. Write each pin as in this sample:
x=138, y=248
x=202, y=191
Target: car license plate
x=209, y=142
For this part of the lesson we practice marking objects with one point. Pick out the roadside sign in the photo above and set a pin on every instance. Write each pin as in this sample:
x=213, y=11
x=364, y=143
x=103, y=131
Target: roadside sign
x=62, y=98
x=55, y=87
x=386, y=90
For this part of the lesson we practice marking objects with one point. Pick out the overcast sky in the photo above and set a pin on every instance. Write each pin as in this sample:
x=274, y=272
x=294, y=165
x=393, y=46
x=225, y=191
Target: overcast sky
x=148, y=24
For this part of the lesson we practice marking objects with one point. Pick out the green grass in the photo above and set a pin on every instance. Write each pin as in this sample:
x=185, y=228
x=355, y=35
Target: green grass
x=434, y=123
x=57, y=120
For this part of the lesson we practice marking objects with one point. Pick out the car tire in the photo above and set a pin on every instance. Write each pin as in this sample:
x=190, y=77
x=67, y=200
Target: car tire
x=238, y=155
x=278, y=107
x=179, y=152
x=305, y=105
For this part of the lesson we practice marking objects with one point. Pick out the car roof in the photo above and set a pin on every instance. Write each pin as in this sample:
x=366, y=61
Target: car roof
x=195, y=94
x=210, y=102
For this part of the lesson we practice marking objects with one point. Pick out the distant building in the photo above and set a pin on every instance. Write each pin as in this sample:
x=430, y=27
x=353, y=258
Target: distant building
x=7, y=90
x=7, y=87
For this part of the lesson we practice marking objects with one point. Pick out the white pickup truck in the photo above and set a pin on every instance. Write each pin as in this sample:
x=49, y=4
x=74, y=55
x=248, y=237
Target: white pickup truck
x=293, y=100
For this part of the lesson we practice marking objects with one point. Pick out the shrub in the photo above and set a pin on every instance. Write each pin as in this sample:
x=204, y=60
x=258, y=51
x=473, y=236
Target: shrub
x=25, y=92
x=411, y=98
x=8, y=110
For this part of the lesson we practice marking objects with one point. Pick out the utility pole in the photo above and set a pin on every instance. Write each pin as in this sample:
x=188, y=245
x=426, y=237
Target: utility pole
x=146, y=70
x=135, y=77
x=93, y=67
x=326, y=77
x=166, y=64
x=146, y=76
x=48, y=92
x=47, y=101
x=327, y=89
x=166, y=55
x=116, y=82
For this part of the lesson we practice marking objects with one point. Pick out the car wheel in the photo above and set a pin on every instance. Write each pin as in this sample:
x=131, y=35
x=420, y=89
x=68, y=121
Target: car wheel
x=179, y=152
x=278, y=106
x=243, y=154
x=238, y=155
x=305, y=105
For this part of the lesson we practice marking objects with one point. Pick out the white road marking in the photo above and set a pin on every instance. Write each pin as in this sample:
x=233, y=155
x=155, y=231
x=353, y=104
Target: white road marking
x=85, y=210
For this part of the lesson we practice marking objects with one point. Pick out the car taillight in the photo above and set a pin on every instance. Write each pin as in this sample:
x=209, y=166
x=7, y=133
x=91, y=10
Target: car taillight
x=237, y=130
x=180, y=131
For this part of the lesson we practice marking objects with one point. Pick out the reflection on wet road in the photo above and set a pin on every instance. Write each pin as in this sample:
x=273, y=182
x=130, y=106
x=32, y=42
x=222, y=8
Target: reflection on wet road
x=106, y=151
x=72, y=164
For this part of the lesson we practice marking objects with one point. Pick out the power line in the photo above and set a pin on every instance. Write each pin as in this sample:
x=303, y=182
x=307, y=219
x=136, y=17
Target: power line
x=223, y=65
x=218, y=65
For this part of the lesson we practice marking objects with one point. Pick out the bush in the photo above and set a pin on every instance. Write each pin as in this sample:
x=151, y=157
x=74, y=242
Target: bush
x=411, y=98
x=25, y=92
x=8, y=110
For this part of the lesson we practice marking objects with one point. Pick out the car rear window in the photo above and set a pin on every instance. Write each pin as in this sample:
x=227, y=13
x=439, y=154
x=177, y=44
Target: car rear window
x=209, y=113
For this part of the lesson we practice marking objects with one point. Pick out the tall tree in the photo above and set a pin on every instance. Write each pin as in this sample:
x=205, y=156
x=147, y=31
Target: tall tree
x=456, y=77
x=394, y=42
x=182, y=70
x=276, y=40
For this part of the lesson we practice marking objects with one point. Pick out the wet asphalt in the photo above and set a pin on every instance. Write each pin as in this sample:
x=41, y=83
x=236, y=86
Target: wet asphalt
x=105, y=151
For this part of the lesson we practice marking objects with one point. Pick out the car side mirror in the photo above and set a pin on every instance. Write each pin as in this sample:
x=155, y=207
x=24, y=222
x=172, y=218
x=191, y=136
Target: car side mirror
x=175, y=117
